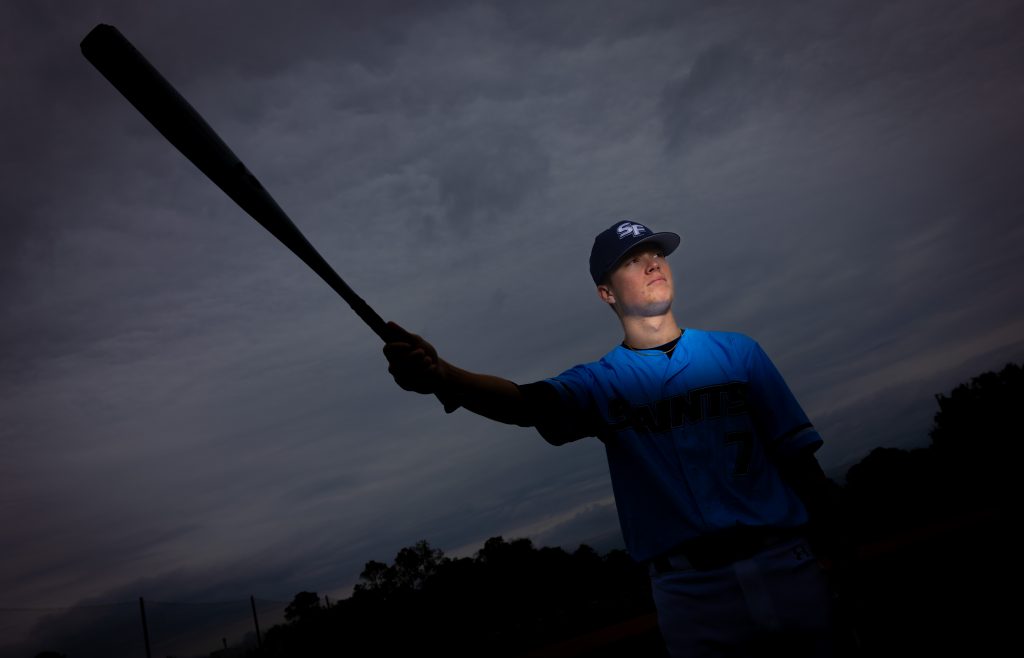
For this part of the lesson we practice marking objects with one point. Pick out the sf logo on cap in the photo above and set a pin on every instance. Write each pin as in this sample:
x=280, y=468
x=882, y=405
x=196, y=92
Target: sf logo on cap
x=628, y=228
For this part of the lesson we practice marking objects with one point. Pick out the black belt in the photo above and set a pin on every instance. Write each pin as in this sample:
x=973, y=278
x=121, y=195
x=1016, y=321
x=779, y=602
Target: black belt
x=722, y=548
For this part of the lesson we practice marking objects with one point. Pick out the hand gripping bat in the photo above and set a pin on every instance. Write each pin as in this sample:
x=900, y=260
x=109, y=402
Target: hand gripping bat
x=145, y=88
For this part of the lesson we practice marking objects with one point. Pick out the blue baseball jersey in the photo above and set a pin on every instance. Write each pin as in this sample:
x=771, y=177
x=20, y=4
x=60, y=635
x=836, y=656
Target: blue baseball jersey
x=691, y=439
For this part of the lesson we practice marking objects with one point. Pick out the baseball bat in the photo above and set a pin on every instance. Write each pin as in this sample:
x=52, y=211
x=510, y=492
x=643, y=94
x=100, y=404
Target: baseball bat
x=145, y=88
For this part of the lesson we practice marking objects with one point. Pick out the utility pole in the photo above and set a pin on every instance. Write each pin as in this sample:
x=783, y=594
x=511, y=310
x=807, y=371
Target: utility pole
x=145, y=628
x=256, y=621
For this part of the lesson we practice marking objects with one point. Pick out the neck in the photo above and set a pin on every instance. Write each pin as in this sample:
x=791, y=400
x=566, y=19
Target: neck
x=646, y=332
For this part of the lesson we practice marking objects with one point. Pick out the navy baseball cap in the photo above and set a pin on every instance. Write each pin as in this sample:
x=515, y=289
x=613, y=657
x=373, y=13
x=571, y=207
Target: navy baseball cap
x=612, y=244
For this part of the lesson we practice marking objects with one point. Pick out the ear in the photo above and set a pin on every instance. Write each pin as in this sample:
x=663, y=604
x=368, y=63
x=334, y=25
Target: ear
x=606, y=294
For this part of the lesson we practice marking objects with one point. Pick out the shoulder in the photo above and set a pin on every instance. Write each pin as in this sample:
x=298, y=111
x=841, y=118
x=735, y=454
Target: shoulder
x=726, y=340
x=729, y=350
x=610, y=361
x=589, y=373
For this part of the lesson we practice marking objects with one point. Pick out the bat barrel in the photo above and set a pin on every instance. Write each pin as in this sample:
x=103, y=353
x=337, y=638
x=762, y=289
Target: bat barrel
x=157, y=100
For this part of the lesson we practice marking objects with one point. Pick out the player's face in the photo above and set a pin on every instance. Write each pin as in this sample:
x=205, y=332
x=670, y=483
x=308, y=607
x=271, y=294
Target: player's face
x=641, y=284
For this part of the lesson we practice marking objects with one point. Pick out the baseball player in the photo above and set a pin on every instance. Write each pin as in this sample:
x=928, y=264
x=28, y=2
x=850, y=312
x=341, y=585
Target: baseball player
x=711, y=457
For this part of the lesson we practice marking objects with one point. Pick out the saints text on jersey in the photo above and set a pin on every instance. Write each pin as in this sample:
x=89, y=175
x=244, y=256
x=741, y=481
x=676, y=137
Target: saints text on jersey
x=693, y=406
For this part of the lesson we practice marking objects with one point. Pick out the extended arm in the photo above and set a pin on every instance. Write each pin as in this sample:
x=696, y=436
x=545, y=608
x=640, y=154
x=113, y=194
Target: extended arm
x=415, y=365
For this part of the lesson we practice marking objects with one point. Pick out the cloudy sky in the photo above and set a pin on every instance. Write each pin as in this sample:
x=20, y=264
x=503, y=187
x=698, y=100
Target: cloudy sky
x=189, y=414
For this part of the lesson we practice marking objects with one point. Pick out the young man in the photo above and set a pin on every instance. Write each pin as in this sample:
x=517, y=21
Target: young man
x=711, y=457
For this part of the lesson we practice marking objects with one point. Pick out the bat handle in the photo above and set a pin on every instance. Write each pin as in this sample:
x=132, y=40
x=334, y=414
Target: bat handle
x=370, y=317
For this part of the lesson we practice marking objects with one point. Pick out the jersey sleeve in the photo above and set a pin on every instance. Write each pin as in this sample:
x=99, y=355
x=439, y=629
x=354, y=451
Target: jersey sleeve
x=562, y=407
x=776, y=410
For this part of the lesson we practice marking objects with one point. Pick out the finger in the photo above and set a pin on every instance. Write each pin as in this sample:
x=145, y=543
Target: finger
x=419, y=381
x=412, y=363
x=397, y=350
x=408, y=358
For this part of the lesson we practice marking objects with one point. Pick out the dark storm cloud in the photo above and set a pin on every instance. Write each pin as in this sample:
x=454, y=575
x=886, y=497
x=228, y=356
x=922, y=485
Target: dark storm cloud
x=906, y=108
x=717, y=91
x=46, y=81
x=489, y=173
x=563, y=25
x=845, y=47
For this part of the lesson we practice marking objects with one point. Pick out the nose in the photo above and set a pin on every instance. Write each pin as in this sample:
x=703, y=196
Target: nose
x=653, y=264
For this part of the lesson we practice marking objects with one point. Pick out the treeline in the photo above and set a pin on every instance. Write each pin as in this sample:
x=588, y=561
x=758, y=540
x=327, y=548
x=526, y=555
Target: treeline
x=507, y=598
x=934, y=528
x=970, y=467
x=920, y=539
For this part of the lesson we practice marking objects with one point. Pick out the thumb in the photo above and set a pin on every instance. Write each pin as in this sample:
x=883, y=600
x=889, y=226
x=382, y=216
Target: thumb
x=397, y=334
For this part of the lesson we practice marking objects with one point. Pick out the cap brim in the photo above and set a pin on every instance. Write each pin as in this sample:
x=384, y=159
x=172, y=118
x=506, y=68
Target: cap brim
x=666, y=240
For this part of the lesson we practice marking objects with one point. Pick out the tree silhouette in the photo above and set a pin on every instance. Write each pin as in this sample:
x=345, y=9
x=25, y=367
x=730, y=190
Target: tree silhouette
x=414, y=565
x=412, y=568
x=377, y=579
x=506, y=599
x=978, y=432
x=304, y=606
x=982, y=413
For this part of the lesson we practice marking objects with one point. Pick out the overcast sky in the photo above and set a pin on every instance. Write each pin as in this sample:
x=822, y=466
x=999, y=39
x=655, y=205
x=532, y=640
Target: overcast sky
x=188, y=413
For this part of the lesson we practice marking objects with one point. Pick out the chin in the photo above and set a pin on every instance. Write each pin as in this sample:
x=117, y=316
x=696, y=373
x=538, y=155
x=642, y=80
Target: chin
x=658, y=308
